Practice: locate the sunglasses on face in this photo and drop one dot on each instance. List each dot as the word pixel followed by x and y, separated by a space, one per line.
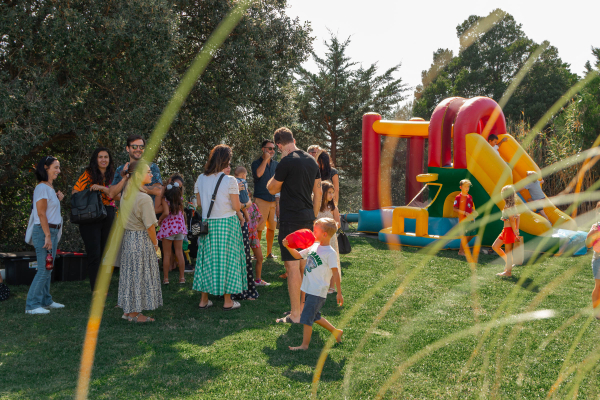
pixel 137 146
pixel 269 148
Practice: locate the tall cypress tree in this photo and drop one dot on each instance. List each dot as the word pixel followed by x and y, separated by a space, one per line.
pixel 332 101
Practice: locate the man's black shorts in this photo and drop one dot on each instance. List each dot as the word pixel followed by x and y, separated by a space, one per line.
pixel 285 228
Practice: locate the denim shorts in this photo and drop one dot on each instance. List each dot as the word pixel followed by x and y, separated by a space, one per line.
pixel 312 309
pixel 596 267
pixel 177 236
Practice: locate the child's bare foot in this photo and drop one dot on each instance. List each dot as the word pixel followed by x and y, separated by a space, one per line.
pixel 338 335
pixel 302 347
pixel 505 273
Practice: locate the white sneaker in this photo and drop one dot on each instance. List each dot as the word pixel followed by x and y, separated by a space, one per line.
pixel 38 310
pixel 55 305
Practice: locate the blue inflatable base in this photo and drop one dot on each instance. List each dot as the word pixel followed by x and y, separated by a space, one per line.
pixel 418 241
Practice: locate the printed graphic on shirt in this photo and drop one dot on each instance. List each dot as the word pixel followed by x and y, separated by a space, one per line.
pixel 312 261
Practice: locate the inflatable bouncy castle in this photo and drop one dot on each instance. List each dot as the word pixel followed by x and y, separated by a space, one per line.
pixel 458 149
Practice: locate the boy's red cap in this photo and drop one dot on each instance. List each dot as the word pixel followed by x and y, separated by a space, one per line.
pixel 301 239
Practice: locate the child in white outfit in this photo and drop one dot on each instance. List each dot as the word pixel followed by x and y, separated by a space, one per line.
pixel 321 266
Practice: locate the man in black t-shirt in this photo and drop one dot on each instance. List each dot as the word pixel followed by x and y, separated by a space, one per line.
pixel 298 179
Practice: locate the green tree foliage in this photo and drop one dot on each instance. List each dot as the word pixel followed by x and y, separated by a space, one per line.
pixel 487 66
pixel 74 75
pixel 588 102
pixel 78 74
pixel 245 93
pixel 332 102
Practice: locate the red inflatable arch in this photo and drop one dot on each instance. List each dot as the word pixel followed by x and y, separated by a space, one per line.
pixel 477 115
pixel 440 131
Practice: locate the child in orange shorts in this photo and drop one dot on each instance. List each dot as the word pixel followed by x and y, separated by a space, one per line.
pixel 510 233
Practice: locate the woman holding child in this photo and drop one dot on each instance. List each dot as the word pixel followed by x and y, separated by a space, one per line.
pixel 221 260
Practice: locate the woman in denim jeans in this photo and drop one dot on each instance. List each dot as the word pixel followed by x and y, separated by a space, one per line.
pixel 46 234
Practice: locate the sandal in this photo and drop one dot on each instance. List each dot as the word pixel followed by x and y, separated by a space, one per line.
pixel 182 280
pixel 208 304
pixel 235 306
pixel 286 320
pixel 136 319
pixel 125 317
pixel 165 281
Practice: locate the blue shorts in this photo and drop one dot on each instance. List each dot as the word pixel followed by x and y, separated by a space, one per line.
pixel 312 309
pixel 595 267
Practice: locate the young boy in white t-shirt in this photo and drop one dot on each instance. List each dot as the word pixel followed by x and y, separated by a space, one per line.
pixel 321 265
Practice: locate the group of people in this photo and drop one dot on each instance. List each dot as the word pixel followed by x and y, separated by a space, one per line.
pixel 288 195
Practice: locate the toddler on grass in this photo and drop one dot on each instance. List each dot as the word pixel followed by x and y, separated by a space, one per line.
pixel 321 265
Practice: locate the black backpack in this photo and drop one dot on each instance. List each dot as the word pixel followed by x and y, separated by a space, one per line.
pixel 87 207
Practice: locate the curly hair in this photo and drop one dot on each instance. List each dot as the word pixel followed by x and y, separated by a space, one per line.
pixel 93 169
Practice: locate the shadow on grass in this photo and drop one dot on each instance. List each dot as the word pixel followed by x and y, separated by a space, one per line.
pixel 282 356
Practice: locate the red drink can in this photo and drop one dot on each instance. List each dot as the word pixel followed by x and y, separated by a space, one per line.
pixel 49 261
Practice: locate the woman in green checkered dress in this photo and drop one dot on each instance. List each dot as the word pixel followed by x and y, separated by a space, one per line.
pixel 221 261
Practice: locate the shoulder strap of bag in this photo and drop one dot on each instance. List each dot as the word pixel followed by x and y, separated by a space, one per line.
pixel 214 196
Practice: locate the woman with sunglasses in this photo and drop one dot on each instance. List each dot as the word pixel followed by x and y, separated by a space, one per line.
pixel 43 232
pixel 97 176
pixel 172 226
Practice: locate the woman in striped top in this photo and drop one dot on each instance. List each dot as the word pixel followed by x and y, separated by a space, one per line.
pixel 97 177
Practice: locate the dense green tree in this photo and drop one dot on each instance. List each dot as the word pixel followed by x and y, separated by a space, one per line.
pixel 245 93
pixel 588 102
pixel 76 73
pixel 332 101
pixel 81 73
pixel 486 65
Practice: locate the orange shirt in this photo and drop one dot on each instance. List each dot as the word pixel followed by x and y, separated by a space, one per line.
pixel 85 181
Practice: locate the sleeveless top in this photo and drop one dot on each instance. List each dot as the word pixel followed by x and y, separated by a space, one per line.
pixel 172 225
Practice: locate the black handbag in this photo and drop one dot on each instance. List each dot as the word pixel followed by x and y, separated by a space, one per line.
pixel 204 223
pixel 87 207
pixel 343 242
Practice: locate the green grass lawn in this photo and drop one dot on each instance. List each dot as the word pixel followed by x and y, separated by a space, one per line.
pixel 448 334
